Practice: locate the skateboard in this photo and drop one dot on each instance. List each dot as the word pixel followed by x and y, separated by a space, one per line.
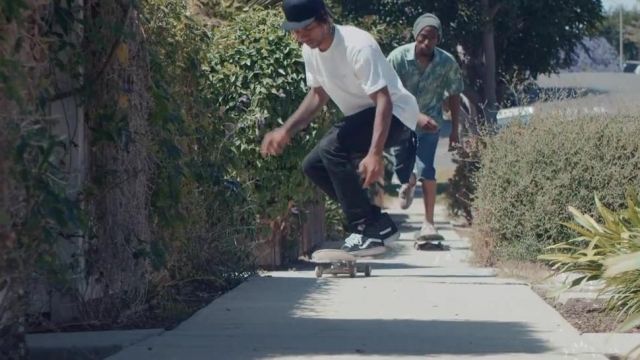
pixel 334 261
pixel 430 245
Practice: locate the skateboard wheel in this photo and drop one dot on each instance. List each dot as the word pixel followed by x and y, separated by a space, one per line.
pixel 416 246
pixel 353 271
pixel 318 271
pixel 367 270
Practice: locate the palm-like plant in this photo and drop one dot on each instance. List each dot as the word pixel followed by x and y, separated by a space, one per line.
pixel 609 251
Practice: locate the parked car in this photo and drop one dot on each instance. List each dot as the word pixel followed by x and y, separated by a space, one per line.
pixel 518 113
pixel 631 67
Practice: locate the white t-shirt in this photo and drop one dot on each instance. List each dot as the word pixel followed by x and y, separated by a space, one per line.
pixel 354 67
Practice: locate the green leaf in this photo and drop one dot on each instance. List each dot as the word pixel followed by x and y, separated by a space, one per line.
pixel 608 216
pixel 584 220
pixel 12 9
pixel 631 322
pixel 621 263
pixel 579 229
pixel 579 281
pixel 632 209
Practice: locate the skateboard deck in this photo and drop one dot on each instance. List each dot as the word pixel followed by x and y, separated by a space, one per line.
pixel 335 261
pixel 430 245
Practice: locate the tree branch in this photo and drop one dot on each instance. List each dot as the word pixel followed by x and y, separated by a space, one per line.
pixel 101 71
pixel 494 10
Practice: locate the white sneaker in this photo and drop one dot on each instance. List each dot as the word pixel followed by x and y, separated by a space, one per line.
pixel 429 232
pixel 406 192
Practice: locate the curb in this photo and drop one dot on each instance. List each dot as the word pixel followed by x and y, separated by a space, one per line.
pixel 89 345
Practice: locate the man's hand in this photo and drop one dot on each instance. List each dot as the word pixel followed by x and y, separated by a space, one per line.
pixel 274 142
pixel 454 141
pixel 426 123
pixel 371 168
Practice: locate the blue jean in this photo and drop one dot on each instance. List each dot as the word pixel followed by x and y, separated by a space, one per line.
pixel 416 156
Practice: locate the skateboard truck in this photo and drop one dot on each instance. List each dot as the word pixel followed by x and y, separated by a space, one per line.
pixel 433 245
pixel 335 262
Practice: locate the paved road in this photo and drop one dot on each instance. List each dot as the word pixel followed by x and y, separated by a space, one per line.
pixel 606 92
pixel 615 83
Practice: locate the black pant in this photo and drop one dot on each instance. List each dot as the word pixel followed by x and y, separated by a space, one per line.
pixel 330 164
pixel 405 159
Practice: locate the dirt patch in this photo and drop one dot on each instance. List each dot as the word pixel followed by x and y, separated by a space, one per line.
pixel 531 272
pixel 587 316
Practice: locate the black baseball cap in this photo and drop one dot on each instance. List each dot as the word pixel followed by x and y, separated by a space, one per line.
pixel 300 13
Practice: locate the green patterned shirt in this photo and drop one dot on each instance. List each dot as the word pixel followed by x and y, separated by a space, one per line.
pixel 441 78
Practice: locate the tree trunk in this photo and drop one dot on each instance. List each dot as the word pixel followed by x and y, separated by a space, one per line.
pixel 471 64
pixel 12 310
pixel 489 50
pixel 12 272
pixel 314 229
pixel 120 168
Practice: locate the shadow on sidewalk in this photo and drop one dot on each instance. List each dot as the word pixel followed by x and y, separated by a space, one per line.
pixel 292 317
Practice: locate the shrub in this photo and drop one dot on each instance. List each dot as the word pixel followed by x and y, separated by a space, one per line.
pixel 461 185
pixel 255 78
pixel 609 250
pixel 530 172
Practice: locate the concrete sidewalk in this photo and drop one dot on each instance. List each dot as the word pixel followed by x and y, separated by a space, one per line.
pixel 415 305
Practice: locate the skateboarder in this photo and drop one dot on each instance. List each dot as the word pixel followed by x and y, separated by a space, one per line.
pixel 432 75
pixel 346 65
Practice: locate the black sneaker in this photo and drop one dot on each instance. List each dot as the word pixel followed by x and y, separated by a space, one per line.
pixel 357 245
pixel 369 239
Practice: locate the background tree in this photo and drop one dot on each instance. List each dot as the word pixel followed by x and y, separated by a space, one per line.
pixel 610 29
pixel 512 39
pixel 21 65
pixel 493 39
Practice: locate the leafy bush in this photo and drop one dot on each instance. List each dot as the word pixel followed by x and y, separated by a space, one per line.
pixel 255 78
pixel 609 250
pixel 204 218
pixel 530 172
pixel 219 93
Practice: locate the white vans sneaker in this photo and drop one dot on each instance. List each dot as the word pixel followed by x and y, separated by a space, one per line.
pixel 429 232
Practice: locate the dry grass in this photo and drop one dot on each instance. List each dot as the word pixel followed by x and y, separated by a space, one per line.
pixel 482 247
pixel 531 272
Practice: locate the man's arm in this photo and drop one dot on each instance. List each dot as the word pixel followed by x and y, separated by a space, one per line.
pixel 382 122
pixel 316 98
pixel 372 166
pixel 454 107
pixel 275 141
